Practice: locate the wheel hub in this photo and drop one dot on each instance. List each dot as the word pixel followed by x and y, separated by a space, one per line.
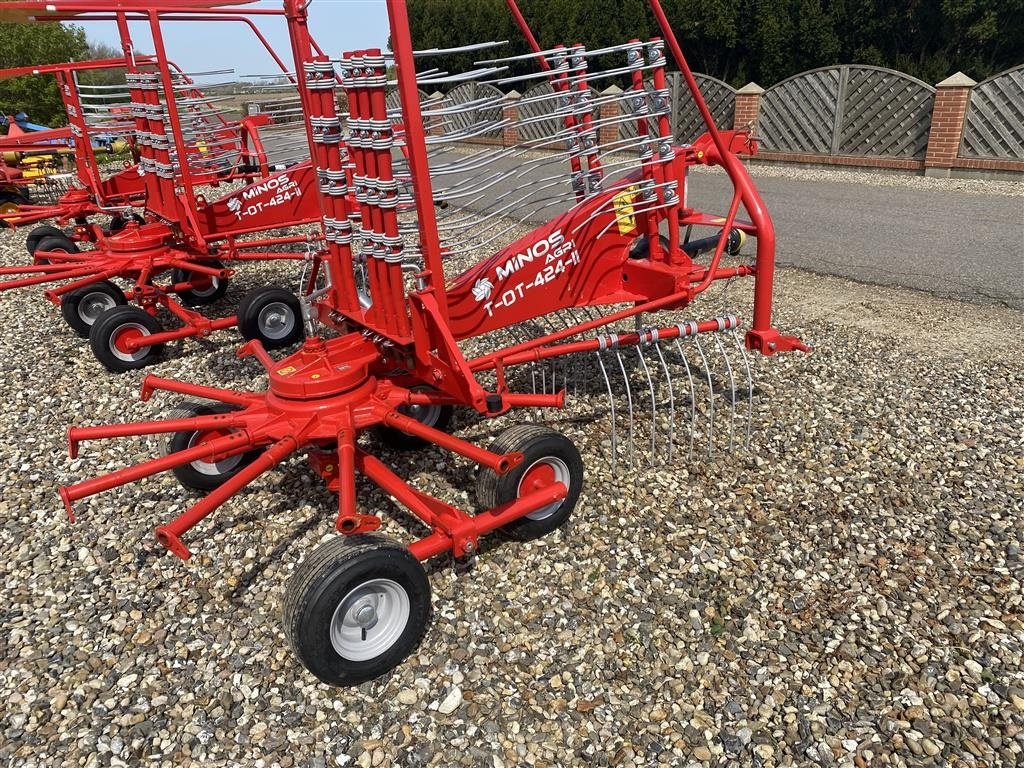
pixel 276 320
pixel 369 619
pixel 119 342
pixel 94 305
pixel 541 474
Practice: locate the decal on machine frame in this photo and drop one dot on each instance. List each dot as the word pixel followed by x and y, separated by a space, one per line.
pixel 267 194
pixel 559 255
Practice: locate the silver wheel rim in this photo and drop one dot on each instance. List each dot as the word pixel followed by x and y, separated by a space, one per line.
pixel 276 320
pixel 203 293
pixel 561 470
pixel 213 468
pixel 94 304
pixel 369 620
pixel 128 357
pixel 427 415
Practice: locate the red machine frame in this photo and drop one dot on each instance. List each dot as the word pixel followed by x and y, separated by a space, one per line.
pixel 401 352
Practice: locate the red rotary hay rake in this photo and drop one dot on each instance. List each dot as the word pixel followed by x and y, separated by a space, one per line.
pixel 188 241
pixel 388 334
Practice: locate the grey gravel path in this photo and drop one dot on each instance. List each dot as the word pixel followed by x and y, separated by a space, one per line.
pixel 848 593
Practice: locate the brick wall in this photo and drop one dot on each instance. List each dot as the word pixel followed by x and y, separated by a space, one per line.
pixel 952 96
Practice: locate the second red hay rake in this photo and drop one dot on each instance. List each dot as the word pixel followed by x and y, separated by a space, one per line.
pixel 393 345
pixel 178 257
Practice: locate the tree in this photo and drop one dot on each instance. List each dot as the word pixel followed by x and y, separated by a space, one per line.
pixel 102 77
pixel 743 40
pixel 42 43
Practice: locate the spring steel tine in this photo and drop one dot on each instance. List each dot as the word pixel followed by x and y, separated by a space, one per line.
pixel 611 408
pixel 465 106
pixel 654 407
pixel 460 49
pixel 750 384
pixel 711 393
pixel 732 387
pixel 522 57
pixel 693 398
pixel 629 402
pixel 524 214
pixel 462 77
pixel 471 132
pixel 671 399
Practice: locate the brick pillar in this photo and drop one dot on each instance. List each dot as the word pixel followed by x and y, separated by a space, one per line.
pixel 608 114
pixel 748 107
pixel 950 108
pixel 510 113
pixel 435 123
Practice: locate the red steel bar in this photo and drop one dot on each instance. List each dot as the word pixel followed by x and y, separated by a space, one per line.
pixel 221 446
pixel 152 383
pixel 170 535
pixel 79 435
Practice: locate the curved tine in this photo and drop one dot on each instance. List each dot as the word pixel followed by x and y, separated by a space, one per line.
pixel 549 327
pixel 629 403
pixel 750 384
pixel 571 365
pixel 611 408
pixel 654 406
pixel 732 388
pixel 471 245
pixel 711 394
pixel 473 219
pixel 470 220
pixel 671 400
pixel 693 397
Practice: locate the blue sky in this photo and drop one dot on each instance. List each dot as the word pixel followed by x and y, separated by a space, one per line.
pixel 338 25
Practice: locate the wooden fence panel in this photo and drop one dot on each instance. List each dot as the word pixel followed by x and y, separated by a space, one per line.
pixel 994 127
pixel 883 114
pixel 799 114
pixel 687 122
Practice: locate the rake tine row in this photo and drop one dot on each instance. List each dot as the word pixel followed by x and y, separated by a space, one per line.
pixel 668 360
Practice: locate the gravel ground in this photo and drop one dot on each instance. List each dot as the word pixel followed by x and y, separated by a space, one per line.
pixel 847 592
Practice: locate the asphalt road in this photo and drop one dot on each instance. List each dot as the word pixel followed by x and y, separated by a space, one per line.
pixel 955 244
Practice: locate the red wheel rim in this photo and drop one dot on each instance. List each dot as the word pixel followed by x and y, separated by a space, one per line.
pixel 122 336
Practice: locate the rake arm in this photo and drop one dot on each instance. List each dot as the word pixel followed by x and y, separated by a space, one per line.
pixel 78 435
pixel 152 383
pixel 170 535
pixel 220 448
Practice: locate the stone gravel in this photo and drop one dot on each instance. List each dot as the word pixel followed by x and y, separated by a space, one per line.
pixel 845 592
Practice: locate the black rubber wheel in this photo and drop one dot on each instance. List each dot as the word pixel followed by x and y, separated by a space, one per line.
pixel 272 315
pixel 548 456
pixel 116 325
pixel 37 234
pixel 641 247
pixel 119 222
pixel 84 306
pixel 436 416
pixel 204 475
pixel 54 244
pixel 355 608
pixel 206 288
pixel 11 202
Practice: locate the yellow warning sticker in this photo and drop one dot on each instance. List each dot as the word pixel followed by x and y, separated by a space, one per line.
pixel 286 371
pixel 625 216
